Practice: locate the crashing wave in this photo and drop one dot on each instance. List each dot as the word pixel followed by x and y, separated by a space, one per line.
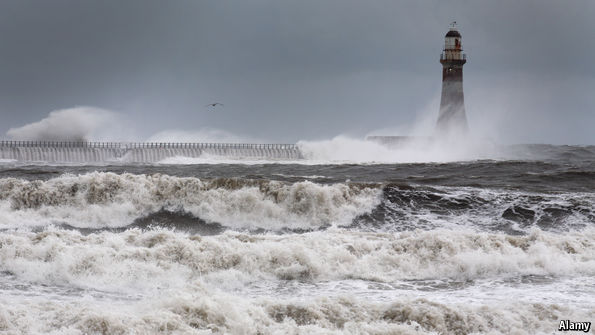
pixel 98 200
pixel 164 258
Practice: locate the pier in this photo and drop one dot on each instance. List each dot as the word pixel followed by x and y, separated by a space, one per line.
pixel 139 152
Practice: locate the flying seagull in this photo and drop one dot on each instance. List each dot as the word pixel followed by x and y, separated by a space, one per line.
pixel 214 104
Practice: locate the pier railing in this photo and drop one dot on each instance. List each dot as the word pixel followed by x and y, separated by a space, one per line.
pixel 145 145
pixel 78 151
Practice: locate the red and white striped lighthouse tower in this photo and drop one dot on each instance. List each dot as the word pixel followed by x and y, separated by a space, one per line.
pixel 452 119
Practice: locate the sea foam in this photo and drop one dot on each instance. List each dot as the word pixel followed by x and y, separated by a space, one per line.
pixel 165 287
pixel 139 260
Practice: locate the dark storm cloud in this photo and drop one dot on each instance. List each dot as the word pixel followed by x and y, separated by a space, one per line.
pixel 301 69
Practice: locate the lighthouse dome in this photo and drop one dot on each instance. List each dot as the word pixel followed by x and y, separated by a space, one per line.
pixel 453 33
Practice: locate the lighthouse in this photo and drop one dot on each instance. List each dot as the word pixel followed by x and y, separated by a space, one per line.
pixel 452 119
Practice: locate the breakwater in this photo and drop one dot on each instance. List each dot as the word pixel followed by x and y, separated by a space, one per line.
pixel 139 152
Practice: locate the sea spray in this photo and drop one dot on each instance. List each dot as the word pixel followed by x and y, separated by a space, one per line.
pixel 73 124
pixel 342 149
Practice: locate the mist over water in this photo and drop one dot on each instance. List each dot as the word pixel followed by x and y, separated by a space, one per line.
pixel 420 149
pixel 94 124
pixel 203 135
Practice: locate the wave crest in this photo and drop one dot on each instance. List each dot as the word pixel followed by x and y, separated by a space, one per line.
pixel 98 199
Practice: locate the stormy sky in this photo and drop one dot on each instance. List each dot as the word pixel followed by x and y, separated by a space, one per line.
pixel 308 69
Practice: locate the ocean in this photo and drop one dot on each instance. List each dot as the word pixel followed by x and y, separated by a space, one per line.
pixel 502 245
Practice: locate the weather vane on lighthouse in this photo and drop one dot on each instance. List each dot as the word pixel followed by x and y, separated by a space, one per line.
pixel 452 119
